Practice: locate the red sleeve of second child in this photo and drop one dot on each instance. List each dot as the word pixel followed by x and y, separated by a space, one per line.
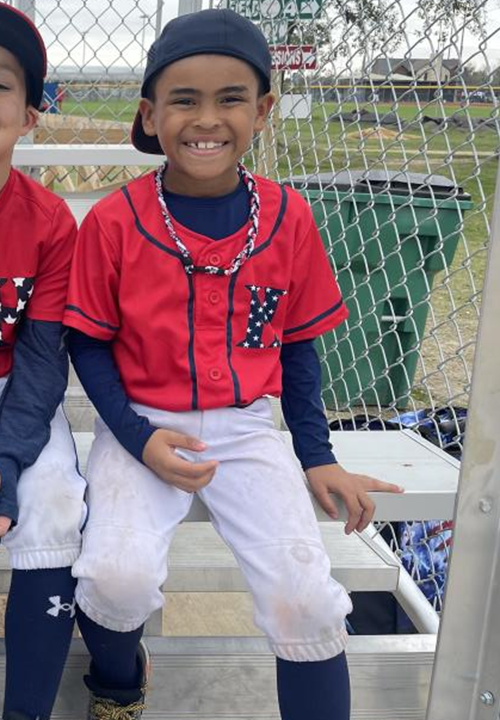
pixel 51 285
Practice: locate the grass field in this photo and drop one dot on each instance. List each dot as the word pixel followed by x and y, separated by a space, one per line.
pixel 469 157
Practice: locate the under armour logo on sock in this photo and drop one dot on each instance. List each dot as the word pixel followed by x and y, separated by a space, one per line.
pixel 58 606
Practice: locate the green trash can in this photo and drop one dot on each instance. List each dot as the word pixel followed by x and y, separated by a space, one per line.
pixel 387 234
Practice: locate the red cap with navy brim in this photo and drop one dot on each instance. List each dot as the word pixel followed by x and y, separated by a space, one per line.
pixel 19 36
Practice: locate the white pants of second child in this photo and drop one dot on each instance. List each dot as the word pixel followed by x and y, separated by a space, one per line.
pixel 258 503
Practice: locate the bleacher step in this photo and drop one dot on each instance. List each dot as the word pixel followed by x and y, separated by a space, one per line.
pixel 199 561
pixel 428 474
pixel 234 678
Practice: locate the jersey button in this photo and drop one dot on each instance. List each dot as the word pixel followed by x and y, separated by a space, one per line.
pixel 214 259
pixel 214 297
pixel 215 374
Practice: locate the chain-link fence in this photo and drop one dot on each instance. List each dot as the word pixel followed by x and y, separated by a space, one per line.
pixel 387 119
pixel 394 138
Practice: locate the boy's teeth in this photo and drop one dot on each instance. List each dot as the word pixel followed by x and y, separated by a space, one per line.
pixel 206 145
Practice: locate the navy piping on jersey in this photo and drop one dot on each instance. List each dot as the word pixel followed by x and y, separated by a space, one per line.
pixel 100 323
pixel 229 339
pixel 315 320
pixel 279 220
pixel 144 232
pixel 192 362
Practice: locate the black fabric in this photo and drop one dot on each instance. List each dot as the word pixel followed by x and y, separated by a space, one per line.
pixel 20 37
pixel 37 641
pixel 214 217
pixel 114 671
pixel 302 404
pixel 314 690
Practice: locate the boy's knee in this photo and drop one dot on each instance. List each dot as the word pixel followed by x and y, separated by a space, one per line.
pixel 121 585
pixel 306 627
pixel 118 591
pixel 303 603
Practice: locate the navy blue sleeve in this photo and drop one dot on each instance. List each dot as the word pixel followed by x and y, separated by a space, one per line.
pixel 95 366
pixel 30 398
pixel 302 404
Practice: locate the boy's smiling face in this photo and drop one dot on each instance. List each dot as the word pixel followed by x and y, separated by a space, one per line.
pixel 205 112
pixel 16 118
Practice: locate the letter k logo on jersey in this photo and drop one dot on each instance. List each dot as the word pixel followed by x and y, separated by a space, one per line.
pixel 14 296
pixel 261 314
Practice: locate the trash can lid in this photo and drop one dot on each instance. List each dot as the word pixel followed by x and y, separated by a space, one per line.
pixel 381 181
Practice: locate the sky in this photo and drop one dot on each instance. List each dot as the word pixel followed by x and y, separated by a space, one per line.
pixel 93 32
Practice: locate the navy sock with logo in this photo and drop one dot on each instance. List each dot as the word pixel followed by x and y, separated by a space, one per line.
pixel 314 690
pixel 39 622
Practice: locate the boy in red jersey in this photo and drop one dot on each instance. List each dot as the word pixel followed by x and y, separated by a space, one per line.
pixel 196 292
pixel 41 493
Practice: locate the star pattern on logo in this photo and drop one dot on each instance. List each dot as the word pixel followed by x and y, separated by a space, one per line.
pixel 10 314
pixel 261 313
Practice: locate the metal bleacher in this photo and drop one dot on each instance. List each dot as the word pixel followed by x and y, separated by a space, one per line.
pixel 213 678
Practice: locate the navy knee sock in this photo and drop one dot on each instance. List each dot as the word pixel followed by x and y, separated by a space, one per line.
pixel 314 690
pixel 114 654
pixel 39 622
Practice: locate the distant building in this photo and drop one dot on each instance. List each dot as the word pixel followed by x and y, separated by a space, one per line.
pixel 421 69
pixel 423 74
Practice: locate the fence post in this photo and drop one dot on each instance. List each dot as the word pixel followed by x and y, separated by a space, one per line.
pixel 158 22
pixel 466 677
pixel 28 7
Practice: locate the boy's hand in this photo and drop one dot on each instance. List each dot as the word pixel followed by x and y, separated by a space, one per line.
pixel 159 455
pixel 5 524
pixel 352 488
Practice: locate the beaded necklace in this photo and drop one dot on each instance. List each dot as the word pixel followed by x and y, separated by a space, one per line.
pixel 242 256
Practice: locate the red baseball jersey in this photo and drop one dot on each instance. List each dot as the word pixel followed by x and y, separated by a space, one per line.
pixel 37 238
pixel 200 341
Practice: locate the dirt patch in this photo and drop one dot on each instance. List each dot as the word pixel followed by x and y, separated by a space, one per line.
pixel 380 134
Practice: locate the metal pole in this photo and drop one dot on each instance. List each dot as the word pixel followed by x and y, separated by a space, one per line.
pixel 267 162
pixel 158 24
pixel 84 41
pixel 144 54
pixel 466 678
pixel 28 7
pixel 189 6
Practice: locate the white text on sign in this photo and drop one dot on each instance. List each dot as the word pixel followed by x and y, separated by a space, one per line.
pixel 276 9
pixel 293 57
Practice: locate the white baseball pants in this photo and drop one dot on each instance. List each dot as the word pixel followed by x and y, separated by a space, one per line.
pixel 259 505
pixel 52 508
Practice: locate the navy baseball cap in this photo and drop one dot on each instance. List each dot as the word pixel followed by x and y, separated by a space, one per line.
pixel 207 32
pixel 19 36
